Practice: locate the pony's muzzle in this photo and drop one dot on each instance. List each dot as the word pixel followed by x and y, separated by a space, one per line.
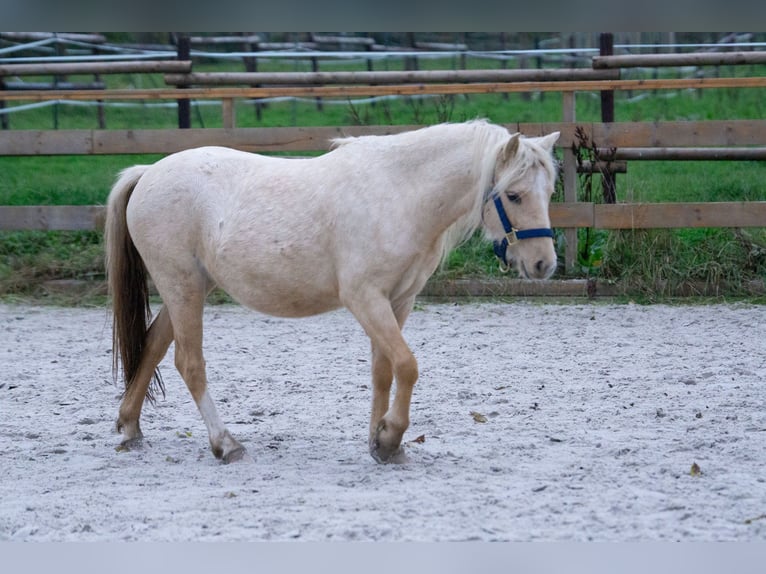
pixel 544 268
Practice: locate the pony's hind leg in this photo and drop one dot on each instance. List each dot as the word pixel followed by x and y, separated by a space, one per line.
pixel 158 339
pixel 186 316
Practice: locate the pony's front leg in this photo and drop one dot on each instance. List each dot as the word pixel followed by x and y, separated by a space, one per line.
pixel 391 357
pixel 387 424
pixel 382 378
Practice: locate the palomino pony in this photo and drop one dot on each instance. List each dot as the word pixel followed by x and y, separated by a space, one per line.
pixel 362 226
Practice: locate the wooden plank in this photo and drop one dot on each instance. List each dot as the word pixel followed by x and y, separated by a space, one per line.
pixel 563 215
pixel 71 68
pixel 654 134
pixel 52 217
pixel 46 142
pixel 386 77
pixel 685 154
pixel 228 111
pixel 569 177
pixel 509 287
pixel 676 215
pixel 680 134
pixel 246 139
pixel 165 141
pixel 696 59
pixel 73 217
pixel 620 135
pixel 512 287
pixel 68 218
pixel 398 89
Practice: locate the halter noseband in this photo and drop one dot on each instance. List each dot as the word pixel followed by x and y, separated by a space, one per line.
pixel 512 235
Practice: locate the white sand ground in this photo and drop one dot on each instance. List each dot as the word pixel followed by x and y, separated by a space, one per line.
pixel 595 414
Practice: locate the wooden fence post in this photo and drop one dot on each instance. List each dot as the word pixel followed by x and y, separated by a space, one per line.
pixel 570 184
pixel 229 113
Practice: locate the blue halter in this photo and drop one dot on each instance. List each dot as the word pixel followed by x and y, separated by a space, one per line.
pixel 513 235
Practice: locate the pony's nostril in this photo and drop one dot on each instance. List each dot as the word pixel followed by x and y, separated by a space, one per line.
pixel 543 268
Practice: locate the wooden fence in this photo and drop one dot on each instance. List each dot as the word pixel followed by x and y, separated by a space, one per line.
pixel 615 141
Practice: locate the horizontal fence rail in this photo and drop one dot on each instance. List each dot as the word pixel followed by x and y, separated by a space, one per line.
pixel 683 154
pixel 648 135
pixel 65 69
pixel 563 215
pixel 52 217
pixel 388 77
pixel 696 59
pixel 659 215
pixel 342 91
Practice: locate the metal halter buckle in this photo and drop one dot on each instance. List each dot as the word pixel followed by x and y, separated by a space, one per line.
pixel 511 236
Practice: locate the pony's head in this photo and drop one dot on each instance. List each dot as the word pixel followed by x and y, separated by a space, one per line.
pixel 515 212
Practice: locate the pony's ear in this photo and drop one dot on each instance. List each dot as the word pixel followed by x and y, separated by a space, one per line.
pixel 546 142
pixel 509 149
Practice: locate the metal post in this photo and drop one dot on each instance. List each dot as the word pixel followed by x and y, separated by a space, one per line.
pixel 101 118
pixel 4 121
pixel 184 106
pixel 608 178
pixel 251 65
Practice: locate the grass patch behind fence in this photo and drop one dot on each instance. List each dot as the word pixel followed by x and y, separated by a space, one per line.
pixel 660 263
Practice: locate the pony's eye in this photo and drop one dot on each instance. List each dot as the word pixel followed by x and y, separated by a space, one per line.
pixel 514 198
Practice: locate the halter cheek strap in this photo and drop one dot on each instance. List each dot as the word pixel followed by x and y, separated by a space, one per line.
pixel 513 235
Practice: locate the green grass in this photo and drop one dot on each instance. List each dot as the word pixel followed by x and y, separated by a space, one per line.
pixel 652 263
pixel 29 258
pixel 661 263
pixel 62 180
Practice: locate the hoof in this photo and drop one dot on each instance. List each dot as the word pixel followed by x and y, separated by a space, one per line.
pixel 237 455
pixel 229 449
pixel 383 453
pixel 133 438
pixel 135 443
pixel 396 457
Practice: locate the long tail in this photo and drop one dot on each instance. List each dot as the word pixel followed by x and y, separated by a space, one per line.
pixel 127 277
